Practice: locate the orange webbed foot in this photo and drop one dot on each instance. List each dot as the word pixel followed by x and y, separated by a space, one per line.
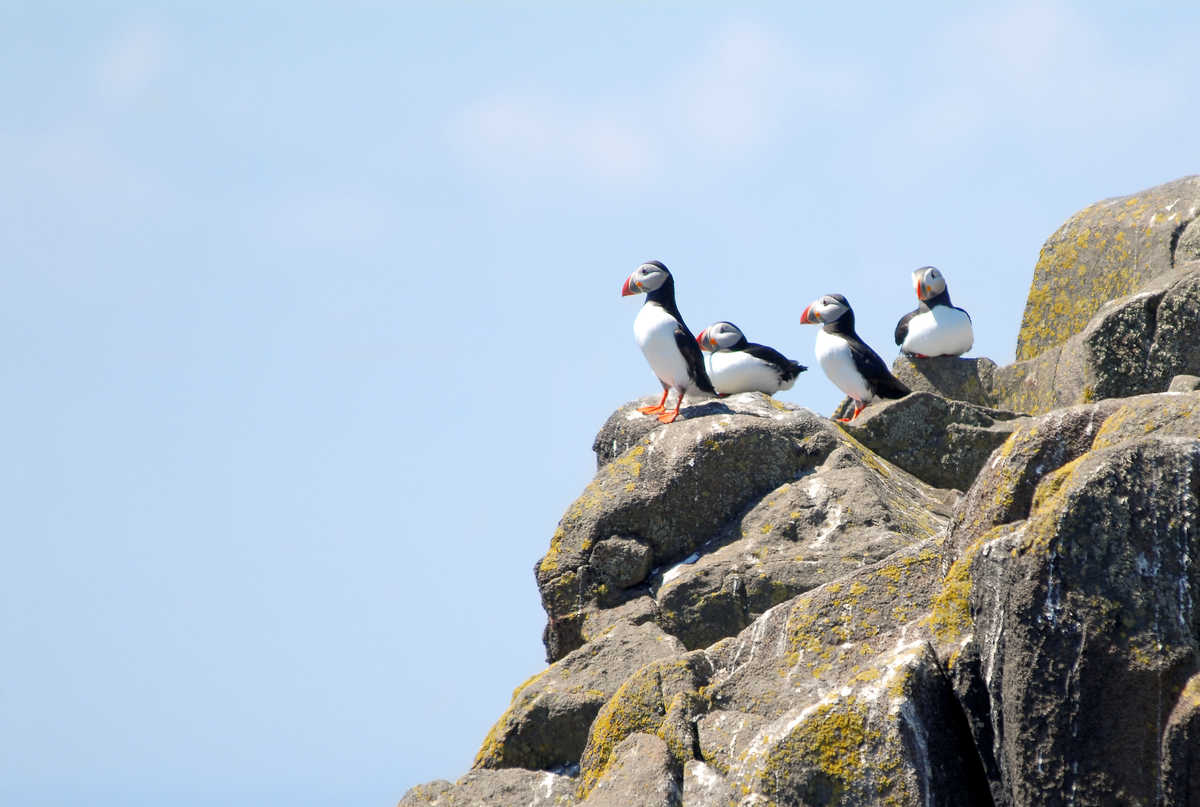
pixel 650 410
pixel 668 417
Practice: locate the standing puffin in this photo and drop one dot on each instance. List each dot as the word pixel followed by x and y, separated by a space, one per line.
pixel 935 328
pixel 735 365
pixel 848 361
pixel 666 342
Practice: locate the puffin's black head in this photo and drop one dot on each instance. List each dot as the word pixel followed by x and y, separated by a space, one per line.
pixel 825 309
pixel 721 336
pixel 928 282
pixel 649 277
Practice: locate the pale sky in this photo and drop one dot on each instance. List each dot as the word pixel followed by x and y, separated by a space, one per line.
pixel 312 312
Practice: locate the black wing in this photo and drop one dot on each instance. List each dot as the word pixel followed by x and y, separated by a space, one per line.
pixel 695 359
pixel 787 368
pixel 902 326
pixel 879 378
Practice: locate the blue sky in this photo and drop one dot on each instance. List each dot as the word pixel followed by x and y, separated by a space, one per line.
pixel 311 314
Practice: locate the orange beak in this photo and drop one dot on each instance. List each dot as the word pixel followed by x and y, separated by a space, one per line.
pixel 628 288
pixel 701 337
pixel 808 317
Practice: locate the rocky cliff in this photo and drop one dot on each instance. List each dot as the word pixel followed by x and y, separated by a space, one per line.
pixel 986 593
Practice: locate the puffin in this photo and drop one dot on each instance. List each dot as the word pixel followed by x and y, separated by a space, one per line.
pixel 935 327
pixel 848 361
pixel 735 365
pixel 665 340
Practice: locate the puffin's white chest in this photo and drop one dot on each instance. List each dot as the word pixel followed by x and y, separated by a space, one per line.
pixel 734 371
pixel 654 330
pixel 835 358
pixel 941 331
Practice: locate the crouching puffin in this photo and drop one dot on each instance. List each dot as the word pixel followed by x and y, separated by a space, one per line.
pixel 848 361
pixel 935 328
pixel 666 342
pixel 735 365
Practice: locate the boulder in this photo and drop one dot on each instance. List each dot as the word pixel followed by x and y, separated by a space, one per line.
pixel 547 724
pixel 704 787
pixel 671 492
pixel 662 699
pixel 952 377
pixel 831 698
pixel 1108 250
pixel 942 442
pixel 501 788
pixel 1003 491
pixel 853 510
pixel 642 773
pixel 1184 383
pixel 1133 345
pixel 1085 618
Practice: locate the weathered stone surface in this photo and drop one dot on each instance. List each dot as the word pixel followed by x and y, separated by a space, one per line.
pixel 1107 250
pixel 1181 749
pixel 1133 345
pixel 941 442
pixel 1184 383
pixel 662 699
pixel 642 772
pixel 853 510
pixel 621 562
pixel 502 788
pixel 952 377
pixel 1003 490
pixel 704 787
pixel 830 698
pixel 675 489
pixel 547 724
pixel 1085 615
pixel 852 702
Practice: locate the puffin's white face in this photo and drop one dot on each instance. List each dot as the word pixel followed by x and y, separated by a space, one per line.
pixel 719 336
pixel 824 309
pixel 928 282
pixel 646 278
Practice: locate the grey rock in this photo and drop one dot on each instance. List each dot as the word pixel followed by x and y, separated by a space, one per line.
pixel 502 788
pixel 1108 250
pixel 1085 615
pixel 1003 490
pixel 673 491
pixel 547 724
pixel 853 510
pixel 952 377
pixel 941 442
pixel 1181 749
pixel 832 697
pixel 662 699
pixel 705 787
pixel 642 773
pixel 1184 383
pixel 1188 246
pixel 627 427
pixel 621 562
pixel 1132 345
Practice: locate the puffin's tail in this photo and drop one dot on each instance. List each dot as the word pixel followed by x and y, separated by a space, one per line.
pixel 891 387
pixel 795 368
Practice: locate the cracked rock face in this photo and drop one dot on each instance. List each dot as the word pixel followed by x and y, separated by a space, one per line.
pixel 1086 620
